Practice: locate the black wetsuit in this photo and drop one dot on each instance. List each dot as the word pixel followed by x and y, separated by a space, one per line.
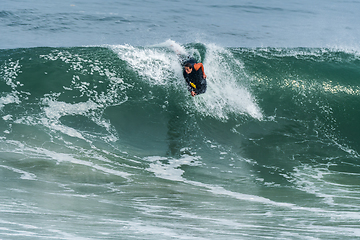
pixel 194 80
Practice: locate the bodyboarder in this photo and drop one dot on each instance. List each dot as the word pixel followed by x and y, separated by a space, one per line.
pixel 195 76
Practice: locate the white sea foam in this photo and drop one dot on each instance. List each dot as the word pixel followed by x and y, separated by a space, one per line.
pixel 322 182
pixel 55 109
pixel 226 94
pixel 24 175
pixel 93 107
pixel 152 64
pixel 59 157
pixel 9 72
pixel 171 169
pixel 8 99
pixel 174 46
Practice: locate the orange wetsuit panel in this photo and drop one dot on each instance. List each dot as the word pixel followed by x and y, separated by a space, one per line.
pixel 199 65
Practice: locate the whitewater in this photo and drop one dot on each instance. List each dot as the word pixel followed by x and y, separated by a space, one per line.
pixel 100 139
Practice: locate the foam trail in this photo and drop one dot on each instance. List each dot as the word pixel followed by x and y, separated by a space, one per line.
pixel 226 94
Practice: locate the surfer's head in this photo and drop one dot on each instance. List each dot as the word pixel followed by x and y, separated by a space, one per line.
pixel 188 68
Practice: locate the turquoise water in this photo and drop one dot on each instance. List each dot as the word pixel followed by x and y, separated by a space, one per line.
pixel 105 142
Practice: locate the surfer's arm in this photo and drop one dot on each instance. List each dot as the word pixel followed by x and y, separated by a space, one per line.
pixel 197 66
pixel 190 87
pixel 188 82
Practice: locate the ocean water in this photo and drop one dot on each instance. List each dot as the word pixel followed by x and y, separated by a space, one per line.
pixel 99 138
